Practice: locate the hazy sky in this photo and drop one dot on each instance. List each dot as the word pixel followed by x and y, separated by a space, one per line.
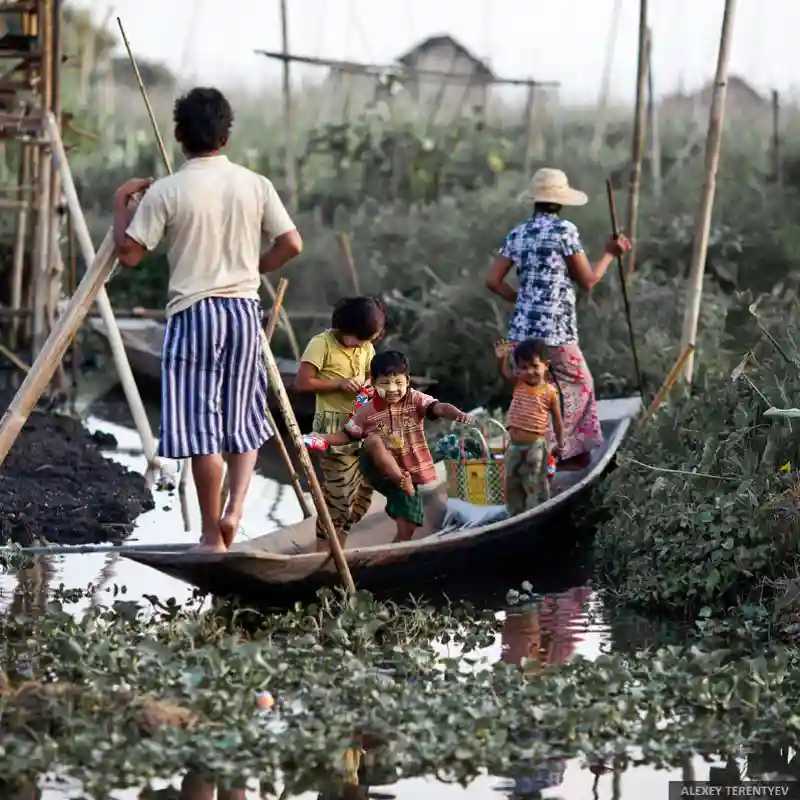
pixel 212 41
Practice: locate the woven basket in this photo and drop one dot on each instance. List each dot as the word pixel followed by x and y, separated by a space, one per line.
pixel 480 481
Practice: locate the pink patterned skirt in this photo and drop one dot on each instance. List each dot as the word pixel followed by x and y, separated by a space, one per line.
pixel 582 432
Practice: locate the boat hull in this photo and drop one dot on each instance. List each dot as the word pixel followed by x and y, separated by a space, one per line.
pixel 283 567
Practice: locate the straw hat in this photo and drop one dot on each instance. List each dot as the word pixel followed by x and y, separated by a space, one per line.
pixel 552 186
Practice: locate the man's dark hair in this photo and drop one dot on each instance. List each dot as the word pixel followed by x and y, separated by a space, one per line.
pixel 529 349
pixel 203 120
pixel 361 317
pixel 390 362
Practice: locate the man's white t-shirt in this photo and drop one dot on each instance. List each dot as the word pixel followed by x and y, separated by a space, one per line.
pixel 212 214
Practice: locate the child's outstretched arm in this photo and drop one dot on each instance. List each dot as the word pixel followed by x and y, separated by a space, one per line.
pixel 447 411
pixel 501 351
pixel 558 422
pixel 352 433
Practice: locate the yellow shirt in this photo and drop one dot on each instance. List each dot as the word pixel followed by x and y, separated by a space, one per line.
pixel 212 214
pixel 335 363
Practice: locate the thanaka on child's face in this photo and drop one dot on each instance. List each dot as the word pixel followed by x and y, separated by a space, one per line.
pixel 532 371
pixel 391 388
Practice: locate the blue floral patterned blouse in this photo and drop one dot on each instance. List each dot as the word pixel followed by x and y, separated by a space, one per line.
pixel 545 307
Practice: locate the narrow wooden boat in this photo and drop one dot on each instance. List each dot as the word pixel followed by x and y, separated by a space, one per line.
pixel 458 539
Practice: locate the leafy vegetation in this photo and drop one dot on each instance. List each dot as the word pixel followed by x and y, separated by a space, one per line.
pixel 122 696
pixel 704 507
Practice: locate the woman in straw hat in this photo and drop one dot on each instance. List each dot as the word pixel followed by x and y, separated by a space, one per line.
pixel 548 255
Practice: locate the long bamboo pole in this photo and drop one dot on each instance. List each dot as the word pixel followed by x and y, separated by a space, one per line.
pixel 653 124
pixel 143 92
pixel 350 262
pixel 716 119
pixel 27 153
pixel 48 358
pixel 637 147
pixel 316 490
pixel 605 83
pixel 669 382
pixel 288 121
pixel 113 334
pixel 776 138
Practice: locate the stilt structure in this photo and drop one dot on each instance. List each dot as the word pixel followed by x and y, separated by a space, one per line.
pixel 30 122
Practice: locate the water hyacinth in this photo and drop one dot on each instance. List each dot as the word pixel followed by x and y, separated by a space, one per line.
pixel 179 688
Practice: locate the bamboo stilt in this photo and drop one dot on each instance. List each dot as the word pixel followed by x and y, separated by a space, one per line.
pixel 713 145
pixel 637 149
pixel 652 113
pixel 72 266
pixel 288 122
pixel 113 334
pixel 39 288
pixel 182 498
pixel 20 237
pixel 669 382
pixel 347 252
pixel 605 83
pixel 776 138
pixel 527 157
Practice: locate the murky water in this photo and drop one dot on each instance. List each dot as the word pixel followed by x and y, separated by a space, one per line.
pixel 553 630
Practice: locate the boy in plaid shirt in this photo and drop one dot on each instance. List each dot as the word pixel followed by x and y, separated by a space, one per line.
pixel 395 457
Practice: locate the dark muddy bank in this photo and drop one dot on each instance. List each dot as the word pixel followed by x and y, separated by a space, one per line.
pixel 56 486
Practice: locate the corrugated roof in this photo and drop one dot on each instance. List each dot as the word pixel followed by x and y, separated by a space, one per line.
pixel 444 39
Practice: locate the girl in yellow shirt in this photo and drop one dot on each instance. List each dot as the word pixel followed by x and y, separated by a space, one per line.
pixel 335 365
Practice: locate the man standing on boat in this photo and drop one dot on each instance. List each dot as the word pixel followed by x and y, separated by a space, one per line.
pixel 212 214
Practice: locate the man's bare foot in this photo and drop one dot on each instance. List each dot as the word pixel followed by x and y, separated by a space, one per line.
pixel 205 547
pixel 229 526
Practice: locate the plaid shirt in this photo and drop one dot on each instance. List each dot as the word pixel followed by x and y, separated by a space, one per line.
pixel 402 428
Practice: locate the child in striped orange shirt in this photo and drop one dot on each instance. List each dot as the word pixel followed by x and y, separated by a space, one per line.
pixel 534 404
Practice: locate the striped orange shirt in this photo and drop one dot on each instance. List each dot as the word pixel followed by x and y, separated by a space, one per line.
pixel 530 407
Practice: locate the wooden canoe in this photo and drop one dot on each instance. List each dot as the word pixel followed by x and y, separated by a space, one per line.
pixel 283 566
